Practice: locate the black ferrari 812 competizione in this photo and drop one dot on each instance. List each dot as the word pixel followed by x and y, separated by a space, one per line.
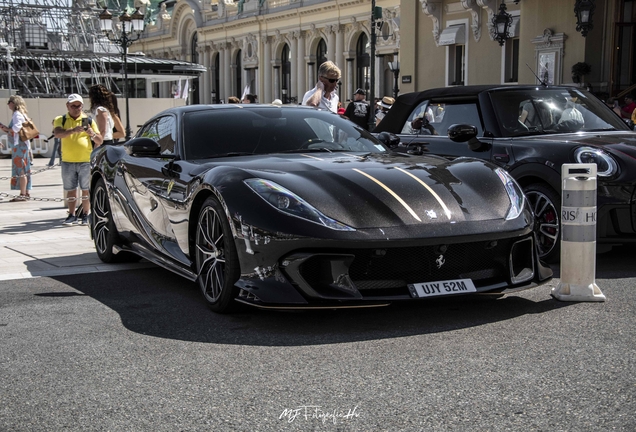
pixel 293 207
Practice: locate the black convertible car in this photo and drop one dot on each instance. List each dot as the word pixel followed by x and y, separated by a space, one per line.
pixel 530 131
pixel 293 207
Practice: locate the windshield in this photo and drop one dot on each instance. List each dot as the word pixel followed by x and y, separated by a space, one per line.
pixel 267 129
pixel 550 110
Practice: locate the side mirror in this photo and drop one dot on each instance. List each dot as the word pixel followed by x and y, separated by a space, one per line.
pixel 143 147
pixel 389 139
pixel 465 133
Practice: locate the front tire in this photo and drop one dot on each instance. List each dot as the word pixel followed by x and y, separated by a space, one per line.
pixel 103 228
pixel 545 204
pixel 216 258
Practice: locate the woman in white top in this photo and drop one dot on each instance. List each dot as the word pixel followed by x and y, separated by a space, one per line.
pixel 103 111
pixel 21 155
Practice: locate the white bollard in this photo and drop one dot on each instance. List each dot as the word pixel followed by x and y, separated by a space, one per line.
pixel 578 235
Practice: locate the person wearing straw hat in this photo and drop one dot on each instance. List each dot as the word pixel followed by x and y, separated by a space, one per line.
pixel 384 106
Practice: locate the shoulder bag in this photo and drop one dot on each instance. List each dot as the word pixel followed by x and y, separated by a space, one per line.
pixel 28 130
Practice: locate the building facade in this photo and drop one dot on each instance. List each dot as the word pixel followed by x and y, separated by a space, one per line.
pixel 274 47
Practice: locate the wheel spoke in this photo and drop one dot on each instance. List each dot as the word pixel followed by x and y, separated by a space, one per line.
pixel 210 255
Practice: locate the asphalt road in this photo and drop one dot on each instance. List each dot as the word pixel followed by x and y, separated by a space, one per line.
pixel 138 350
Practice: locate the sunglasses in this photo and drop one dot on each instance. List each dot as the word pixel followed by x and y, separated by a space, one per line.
pixel 331 80
pixel 76 106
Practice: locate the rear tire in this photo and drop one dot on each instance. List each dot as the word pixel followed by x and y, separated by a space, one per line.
pixel 217 262
pixel 545 203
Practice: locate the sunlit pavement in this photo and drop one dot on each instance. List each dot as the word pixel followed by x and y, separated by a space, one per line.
pixel 33 240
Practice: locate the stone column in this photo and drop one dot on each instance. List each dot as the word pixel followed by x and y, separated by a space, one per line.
pixel 350 78
pixel 266 97
pixel 331 42
pixel 311 77
pixel 226 73
pixel 292 91
pixel 204 86
pixel 302 68
pixel 340 46
pixel 276 92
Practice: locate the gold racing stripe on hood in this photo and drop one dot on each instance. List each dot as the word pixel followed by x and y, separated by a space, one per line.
pixel 312 157
pixel 386 188
pixel 437 197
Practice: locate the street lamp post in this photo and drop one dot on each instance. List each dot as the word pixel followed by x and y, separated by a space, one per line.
pixel 394 66
pixel 130 29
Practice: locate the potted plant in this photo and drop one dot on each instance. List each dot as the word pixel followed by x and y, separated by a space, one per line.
pixel 579 70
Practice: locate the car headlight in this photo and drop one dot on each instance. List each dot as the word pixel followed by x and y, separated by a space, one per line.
pixel 515 194
pixel 605 165
pixel 289 203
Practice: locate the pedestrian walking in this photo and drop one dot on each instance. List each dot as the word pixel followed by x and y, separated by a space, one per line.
pixel 21 154
pixel 56 149
pixel 359 110
pixel 324 94
pixel 76 130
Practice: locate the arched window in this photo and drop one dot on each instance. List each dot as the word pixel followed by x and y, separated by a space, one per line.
pixel 285 82
pixel 321 55
pixel 194 55
pixel 362 63
pixel 239 69
pixel 217 85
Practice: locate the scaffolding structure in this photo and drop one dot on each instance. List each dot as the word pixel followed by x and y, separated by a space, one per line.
pixel 50 48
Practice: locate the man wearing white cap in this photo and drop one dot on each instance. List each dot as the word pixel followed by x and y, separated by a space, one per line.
pixel 76 130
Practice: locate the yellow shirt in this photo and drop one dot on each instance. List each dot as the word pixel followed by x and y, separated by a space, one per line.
pixel 75 147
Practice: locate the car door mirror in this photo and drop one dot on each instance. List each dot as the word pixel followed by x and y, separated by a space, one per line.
pixel 143 147
pixel 465 133
pixel 462 132
pixel 389 139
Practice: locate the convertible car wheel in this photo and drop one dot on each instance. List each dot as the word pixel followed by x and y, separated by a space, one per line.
pixel 105 233
pixel 545 203
pixel 216 258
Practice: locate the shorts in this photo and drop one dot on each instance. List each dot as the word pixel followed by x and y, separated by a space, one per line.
pixel 74 173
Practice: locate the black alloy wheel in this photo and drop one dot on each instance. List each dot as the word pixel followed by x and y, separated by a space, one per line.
pixel 216 258
pixel 545 204
pixel 103 228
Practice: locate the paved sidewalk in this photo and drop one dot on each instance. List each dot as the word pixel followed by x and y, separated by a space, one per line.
pixel 33 241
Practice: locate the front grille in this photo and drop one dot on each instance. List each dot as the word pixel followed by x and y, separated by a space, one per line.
pixel 377 272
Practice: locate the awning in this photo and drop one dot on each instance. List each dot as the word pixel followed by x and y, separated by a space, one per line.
pixel 139 66
pixel 453 35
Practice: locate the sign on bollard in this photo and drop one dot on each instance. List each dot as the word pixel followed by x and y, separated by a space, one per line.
pixel 578 235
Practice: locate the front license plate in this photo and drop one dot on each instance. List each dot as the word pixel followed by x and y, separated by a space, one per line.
pixel 431 289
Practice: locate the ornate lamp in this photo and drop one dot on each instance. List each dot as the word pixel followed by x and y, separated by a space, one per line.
pixel 584 9
pixel 394 66
pixel 131 28
pixel 501 24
